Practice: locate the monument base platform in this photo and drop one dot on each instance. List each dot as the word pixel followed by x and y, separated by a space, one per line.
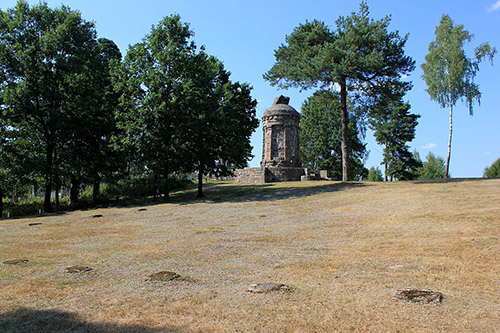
pixel 268 174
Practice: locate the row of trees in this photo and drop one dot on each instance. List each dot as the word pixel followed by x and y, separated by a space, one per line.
pixel 358 69
pixel 432 168
pixel 73 113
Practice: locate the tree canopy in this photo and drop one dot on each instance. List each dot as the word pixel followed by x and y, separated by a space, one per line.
pixel 432 168
pixel 47 58
pixel 321 136
pixel 493 171
pixel 180 110
pixel 449 73
pixel 152 85
pixel 374 175
pixel 359 54
pixel 394 126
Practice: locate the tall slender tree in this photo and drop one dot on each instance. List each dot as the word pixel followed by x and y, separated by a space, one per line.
pixel 449 73
pixel 358 54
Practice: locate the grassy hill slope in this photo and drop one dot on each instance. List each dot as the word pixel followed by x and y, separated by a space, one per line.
pixel 342 248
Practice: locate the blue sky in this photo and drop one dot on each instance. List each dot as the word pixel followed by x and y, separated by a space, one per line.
pixel 244 35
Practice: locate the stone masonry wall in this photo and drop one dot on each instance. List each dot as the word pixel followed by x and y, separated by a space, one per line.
pixel 283 174
pixel 268 174
pixel 250 175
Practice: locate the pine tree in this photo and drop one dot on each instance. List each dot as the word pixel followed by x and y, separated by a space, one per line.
pixel 321 136
pixel 394 126
pixel 358 53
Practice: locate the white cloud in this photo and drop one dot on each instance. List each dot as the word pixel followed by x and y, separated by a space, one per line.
pixel 429 146
pixel 494 6
pixel 487 153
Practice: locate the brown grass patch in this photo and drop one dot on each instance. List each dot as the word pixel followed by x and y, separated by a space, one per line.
pixel 345 248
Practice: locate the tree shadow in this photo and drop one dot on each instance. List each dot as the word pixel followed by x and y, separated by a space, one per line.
pixel 221 192
pixel 18 217
pixel 34 320
pixel 446 181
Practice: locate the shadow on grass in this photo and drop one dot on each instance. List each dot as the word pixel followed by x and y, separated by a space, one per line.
pixel 234 192
pixel 446 181
pixel 33 320
pixel 224 191
pixel 61 212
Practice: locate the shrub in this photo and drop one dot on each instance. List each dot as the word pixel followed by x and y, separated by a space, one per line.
pixel 29 207
pixel 433 168
pixel 134 187
pixel 493 171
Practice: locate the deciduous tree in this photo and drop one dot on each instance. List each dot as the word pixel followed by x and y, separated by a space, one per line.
pixel 374 175
pixel 432 168
pixel 449 73
pixel 223 119
pixel 45 54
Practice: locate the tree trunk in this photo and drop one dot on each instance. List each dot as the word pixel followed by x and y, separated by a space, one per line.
pixel 96 188
pixel 200 181
pixel 57 180
pixel 1 202
pixel 155 186
pixel 345 128
pixel 58 203
pixel 447 168
pixel 48 178
pixel 393 158
pixel 74 191
pixel 166 188
pixel 385 164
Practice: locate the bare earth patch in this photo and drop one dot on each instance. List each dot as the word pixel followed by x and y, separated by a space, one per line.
pixel 344 248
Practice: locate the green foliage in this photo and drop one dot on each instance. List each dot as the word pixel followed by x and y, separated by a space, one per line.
pixel 140 186
pixel 374 175
pixel 153 81
pixel 30 207
pixel 223 119
pixel 393 127
pixel 180 111
pixel 321 136
pixel 88 154
pixel 358 53
pixel 47 56
pixel 433 167
pixel 449 73
pixel 493 171
pixel 73 114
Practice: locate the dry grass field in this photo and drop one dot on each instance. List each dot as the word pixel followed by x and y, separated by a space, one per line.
pixel 343 249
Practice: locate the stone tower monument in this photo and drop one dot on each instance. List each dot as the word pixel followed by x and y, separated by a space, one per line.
pixel 280 149
pixel 281 135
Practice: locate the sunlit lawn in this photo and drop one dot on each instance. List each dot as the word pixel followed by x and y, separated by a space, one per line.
pixel 342 248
